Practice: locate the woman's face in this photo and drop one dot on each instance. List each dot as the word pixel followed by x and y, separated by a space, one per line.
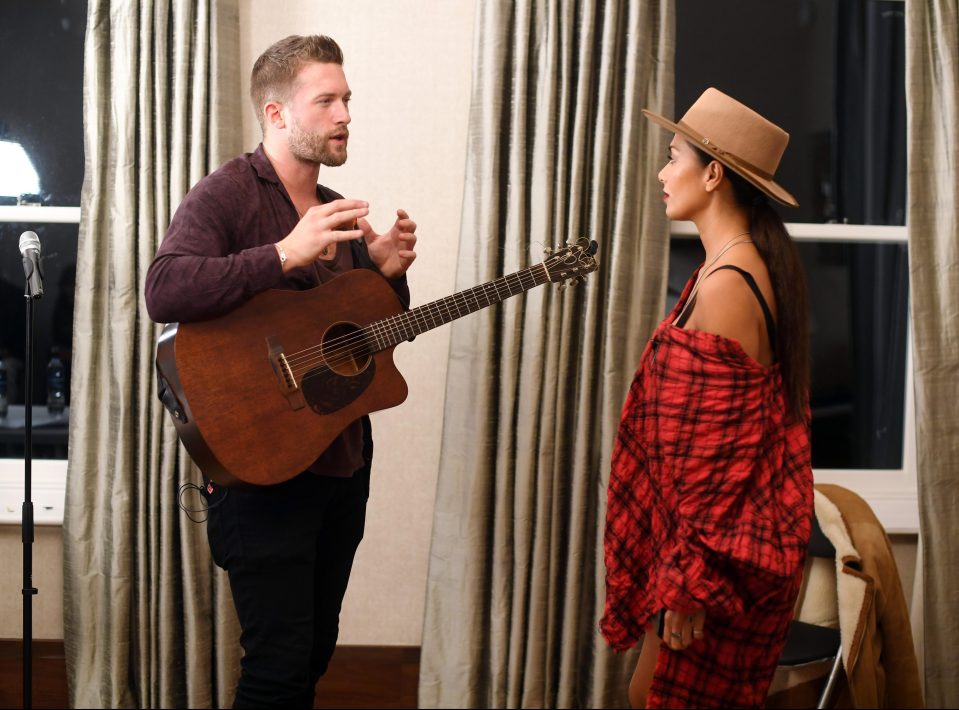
pixel 684 180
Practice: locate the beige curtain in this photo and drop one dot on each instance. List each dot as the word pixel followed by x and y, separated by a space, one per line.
pixel 557 150
pixel 932 95
pixel 147 621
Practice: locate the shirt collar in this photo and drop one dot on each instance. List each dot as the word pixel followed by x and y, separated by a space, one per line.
pixel 262 165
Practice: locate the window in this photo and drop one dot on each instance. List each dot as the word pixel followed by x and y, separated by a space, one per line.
pixel 41 139
pixel 41 174
pixel 832 74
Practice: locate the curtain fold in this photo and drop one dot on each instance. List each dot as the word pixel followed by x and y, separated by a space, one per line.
pixel 148 619
pixel 557 150
pixel 932 95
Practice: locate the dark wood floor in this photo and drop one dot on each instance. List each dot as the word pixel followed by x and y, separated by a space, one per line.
pixel 370 677
pixel 358 677
pixel 49 674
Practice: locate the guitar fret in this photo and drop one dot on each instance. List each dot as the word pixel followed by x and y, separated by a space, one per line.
pixel 380 336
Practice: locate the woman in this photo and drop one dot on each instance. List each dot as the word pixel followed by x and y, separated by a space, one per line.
pixel 710 493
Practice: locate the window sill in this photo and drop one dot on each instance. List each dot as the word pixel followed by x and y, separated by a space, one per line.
pixel 39 213
pixel 48 491
pixel 892 495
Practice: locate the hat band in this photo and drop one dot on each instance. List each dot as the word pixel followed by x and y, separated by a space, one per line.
pixel 724 154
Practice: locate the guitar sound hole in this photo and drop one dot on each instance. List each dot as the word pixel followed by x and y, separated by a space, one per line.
pixel 345 350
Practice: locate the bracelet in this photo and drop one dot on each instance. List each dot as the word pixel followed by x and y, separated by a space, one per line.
pixel 279 250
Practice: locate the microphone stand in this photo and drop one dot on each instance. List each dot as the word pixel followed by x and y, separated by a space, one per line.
pixel 28 589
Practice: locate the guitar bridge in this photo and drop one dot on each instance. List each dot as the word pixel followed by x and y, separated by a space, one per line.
pixel 284 374
pixel 287 373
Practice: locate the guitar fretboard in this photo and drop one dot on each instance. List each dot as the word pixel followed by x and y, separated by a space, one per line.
pixel 394 330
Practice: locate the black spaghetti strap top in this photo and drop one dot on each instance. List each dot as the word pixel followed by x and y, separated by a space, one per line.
pixel 751 282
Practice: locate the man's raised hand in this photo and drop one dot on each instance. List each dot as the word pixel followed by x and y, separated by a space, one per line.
pixel 392 251
pixel 321 227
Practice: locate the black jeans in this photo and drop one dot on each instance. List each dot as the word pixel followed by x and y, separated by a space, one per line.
pixel 288 550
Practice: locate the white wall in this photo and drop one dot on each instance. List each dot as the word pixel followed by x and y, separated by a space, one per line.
pixel 408 63
pixel 47 578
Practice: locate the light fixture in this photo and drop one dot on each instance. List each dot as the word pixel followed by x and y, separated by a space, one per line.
pixel 17 174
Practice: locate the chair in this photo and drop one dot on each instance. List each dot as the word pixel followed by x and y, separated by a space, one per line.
pixel 808 644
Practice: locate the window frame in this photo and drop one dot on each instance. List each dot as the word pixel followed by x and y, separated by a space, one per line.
pixel 48 484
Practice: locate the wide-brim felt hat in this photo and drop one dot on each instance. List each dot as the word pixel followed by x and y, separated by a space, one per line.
pixel 737 137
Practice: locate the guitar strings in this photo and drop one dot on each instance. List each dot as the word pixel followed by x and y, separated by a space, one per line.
pixel 341 348
pixel 311 361
pixel 306 363
pixel 431 312
pixel 435 308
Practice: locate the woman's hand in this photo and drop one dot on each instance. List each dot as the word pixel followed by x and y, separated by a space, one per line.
pixel 681 628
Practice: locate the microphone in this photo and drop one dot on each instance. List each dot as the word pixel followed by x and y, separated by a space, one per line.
pixel 30 249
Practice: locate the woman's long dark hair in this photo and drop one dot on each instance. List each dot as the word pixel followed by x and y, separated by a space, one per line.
pixel 781 256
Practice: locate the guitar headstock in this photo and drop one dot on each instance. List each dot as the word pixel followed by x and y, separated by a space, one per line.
pixel 572 262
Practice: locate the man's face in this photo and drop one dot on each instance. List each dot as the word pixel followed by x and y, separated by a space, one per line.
pixel 318 114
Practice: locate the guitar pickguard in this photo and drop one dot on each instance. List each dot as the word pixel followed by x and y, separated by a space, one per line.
pixel 327 391
pixel 346 369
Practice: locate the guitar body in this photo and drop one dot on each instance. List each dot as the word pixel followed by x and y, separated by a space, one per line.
pixel 240 418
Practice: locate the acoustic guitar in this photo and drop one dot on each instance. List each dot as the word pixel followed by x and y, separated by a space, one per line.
pixel 258 394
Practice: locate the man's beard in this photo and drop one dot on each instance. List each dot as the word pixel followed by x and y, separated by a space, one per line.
pixel 314 147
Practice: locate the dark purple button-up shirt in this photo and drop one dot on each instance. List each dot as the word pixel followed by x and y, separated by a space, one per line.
pixel 218 253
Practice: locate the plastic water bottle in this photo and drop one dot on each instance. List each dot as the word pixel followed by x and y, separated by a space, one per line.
pixel 3 387
pixel 56 383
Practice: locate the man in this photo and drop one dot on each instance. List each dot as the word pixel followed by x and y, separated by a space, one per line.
pixel 261 221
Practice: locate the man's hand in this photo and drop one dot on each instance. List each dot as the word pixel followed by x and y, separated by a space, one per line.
pixel 681 628
pixel 392 252
pixel 319 229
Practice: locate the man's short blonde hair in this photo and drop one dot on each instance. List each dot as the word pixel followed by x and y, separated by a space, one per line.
pixel 274 72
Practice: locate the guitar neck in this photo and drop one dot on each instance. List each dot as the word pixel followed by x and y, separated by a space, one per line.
pixel 404 326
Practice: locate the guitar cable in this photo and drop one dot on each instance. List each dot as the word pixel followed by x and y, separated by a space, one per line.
pixel 205 511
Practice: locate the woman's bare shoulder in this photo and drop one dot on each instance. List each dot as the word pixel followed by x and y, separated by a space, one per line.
pixel 726 306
